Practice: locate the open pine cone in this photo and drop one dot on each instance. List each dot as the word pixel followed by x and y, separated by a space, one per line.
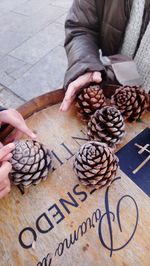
pixel 95 164
pixel 131 101
pixel 89 100
pixel 31 162
pixel 107 125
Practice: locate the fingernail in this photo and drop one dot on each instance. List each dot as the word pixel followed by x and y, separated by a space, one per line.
pixel 11 145
pixel 33 135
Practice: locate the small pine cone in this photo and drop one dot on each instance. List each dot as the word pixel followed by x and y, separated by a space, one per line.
pixel 131 101
pixel 31 162
pixel 95 164
pixel 107 125
pixel 89 100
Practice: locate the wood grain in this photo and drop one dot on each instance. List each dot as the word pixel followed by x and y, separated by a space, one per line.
pixel 63 133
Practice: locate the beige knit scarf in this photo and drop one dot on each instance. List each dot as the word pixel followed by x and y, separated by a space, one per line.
pixel 142 57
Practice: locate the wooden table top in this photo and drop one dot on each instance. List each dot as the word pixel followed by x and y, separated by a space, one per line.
pixel 59 221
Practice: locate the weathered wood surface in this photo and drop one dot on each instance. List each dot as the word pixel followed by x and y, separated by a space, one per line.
pixel 43 207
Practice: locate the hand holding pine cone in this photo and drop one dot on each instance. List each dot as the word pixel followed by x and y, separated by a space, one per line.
pixel 95 164
pixel 31 162
pixel 131 101
pixel 89 100
pixel 107 125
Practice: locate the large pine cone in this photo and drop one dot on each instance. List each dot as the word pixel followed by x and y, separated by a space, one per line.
pixel 107 125
pixel 31 162
pixel 95 164
pixel 89 100
pixel 131 101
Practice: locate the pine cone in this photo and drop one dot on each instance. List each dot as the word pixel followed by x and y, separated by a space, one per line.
pixel 31 162
pixel 95 164
pixel 89 100
pixel 131 101
pixel 107 125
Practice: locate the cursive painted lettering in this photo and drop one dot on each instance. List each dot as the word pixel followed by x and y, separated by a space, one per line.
pixel 110 216
pixel 107 218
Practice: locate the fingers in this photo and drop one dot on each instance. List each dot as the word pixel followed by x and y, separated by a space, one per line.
pixel 7 157
pixel 16 134
pixel 75 86
pixel 4 170
pixel 1 145
pixel 6 150
pixel 24 129
pixel 15 119
pixel 66 104
pixel 68 99
pixel 4 179
pixel 97 77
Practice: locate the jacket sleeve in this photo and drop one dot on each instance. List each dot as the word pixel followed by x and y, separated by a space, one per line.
pixel 2 108
pixel 81 43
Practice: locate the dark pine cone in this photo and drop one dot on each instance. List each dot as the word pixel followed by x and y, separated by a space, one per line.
pixel 95 164
pixel 107 125
pixel 131 101
pixel 31 162
pixel 89 100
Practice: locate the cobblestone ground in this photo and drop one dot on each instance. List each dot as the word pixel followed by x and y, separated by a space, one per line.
pixel 32 57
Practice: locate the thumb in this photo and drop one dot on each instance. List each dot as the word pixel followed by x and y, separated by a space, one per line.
pixel 17 134
pixel 96 77
pixel 5 150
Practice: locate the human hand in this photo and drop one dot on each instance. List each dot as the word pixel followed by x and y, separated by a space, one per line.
pixel 75 86
pixel 5 168
pixel 14 118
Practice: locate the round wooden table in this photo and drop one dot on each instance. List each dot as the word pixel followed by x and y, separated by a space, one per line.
pixel 62 223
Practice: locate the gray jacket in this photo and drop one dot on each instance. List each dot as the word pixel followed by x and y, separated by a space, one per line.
pixel 92 25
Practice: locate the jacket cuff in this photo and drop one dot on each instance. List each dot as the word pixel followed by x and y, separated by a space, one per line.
pixel 2 108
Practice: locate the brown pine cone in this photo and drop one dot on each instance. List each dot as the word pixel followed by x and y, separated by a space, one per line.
pixel 31 162
pixel 95 164
pixel 107 125
pixel 131 101
pixel 89 100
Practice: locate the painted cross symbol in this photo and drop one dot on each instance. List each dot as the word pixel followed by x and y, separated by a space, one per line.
pixel 142 149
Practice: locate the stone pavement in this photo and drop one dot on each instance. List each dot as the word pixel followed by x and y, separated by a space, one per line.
pixel 32 57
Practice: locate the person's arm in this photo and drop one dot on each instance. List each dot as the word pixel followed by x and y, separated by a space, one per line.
pixel 81 44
